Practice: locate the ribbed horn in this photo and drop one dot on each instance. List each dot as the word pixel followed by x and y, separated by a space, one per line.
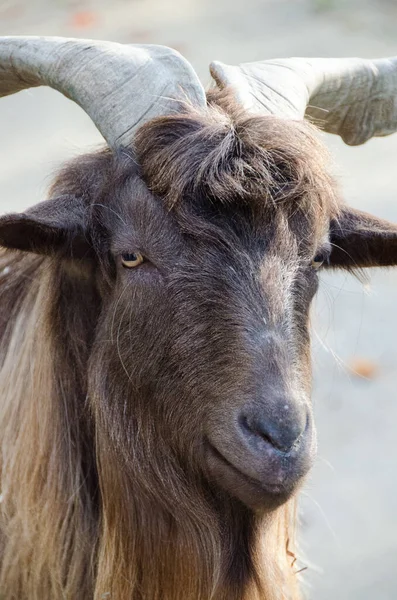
pixel 352 97
pixel 119 86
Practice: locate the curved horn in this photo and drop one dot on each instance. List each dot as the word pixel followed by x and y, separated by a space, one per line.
pixel 119 86
pixel 354 98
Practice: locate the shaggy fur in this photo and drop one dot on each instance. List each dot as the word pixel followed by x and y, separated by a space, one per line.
pixel 111 380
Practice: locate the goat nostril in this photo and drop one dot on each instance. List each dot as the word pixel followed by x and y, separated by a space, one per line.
pixel 283 436
pixel 251 428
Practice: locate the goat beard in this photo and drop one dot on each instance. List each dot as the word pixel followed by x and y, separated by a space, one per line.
pixel 168 538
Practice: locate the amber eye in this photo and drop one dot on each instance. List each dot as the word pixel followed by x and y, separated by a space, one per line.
pixel 129 260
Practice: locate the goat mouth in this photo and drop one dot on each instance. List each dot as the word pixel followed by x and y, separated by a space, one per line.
pixel 255 493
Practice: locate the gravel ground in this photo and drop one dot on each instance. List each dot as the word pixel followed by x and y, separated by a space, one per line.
pixel 349 506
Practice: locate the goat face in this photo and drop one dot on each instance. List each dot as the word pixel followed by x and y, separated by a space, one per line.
pixel 199 371
pixel 205 329
pixel 203 346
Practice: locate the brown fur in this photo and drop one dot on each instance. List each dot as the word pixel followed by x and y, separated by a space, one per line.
pixel 107 386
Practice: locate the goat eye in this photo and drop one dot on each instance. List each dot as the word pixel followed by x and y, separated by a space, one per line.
pixel 129 260
pixel 318 260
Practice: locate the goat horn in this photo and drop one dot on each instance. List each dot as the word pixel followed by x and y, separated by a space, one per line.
pixel 354 98
pixel 119 86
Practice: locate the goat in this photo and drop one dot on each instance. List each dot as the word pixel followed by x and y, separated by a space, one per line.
pixel 155 415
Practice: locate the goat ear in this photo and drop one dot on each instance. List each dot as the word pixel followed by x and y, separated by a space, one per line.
pixel 361 240
pixel 56 226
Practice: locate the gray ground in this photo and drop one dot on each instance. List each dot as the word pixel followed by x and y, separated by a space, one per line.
pixel 349 522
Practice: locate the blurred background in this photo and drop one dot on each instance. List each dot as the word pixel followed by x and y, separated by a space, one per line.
pixel 349 505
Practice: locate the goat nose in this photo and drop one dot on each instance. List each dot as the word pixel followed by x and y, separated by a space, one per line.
pixel 283 434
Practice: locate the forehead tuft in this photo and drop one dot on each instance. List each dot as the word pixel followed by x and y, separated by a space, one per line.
pixel 226 156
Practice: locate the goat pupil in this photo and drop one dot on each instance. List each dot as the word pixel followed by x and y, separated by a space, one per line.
pixel 130 257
